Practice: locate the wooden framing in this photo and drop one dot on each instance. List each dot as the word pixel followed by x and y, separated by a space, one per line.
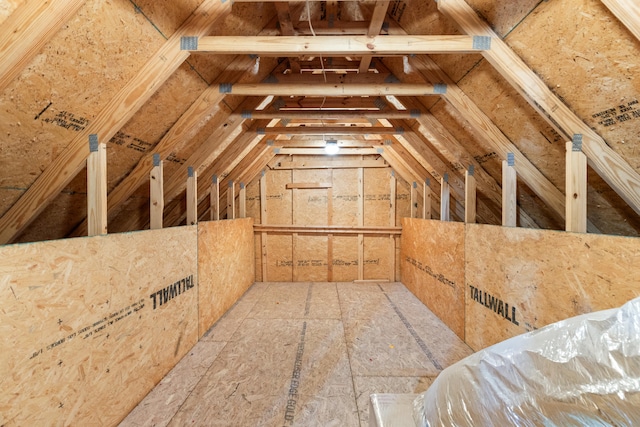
pixel 576 186
pixel 393 190
pixel 332 130
pixel 110 119
pixel 444 199
pixel 426 200
pixel 375 25
pixel 329 115
pixel 242 201
pixel 470 196
pixel 607 163
pixel 231 200
pixel 321 152
pixel 97 188
pixel 414 199
pixel 325 229
pixel 336 45
pixel 214 195
pixel 313 88
pixel 192 197
pixel 509 193
pixel 628 12
pixel 156 195
pixel 27 30
pixel 263 221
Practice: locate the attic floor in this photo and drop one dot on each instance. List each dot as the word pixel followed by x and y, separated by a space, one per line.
pixel 304 354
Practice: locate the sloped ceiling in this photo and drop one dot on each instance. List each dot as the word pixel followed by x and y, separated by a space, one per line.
pixel 115 68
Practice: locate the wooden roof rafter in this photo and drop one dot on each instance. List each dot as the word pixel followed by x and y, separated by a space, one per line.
pixel 628 12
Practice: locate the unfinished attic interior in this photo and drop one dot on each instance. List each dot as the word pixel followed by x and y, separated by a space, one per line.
pixel 160 159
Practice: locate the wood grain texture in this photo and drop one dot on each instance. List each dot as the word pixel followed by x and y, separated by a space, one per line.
pixel 83 317
pixel 97 191
pixel 546 276
pixel 628 12
pixel 432 267
pixel 621 176
pixel 27 30
pixel 111 118
pixel 576 189
pixel 226 267
pixel 509 195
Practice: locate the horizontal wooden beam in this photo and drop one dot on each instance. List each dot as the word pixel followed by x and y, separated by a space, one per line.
pixel 628 12
pixel 315 88
pixel 308 185
pixel 325 229
pixel 330 115
pixel 333 130
pixel 320 151
pixel 337 45
pixel 329 163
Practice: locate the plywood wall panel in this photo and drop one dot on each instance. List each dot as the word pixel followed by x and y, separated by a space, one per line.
pixel 432 258
pixel 345 197
pixel 83 318
pixel 310 206
pixel 225 267
pixel 279 199
pixel 279 258
pixel 376 197
pixel 345 258
pixel 403 200
pixel 545 276
pixel 377 260
pixel 311 258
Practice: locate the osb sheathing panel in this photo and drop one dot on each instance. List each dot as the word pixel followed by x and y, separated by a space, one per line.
pixel 503 16
pixel 279 258
pixel 225 267
pixel 87 318
pixel 433 261
pixel 310 206
pixel 345 197
pixel 279 199
pixel 377 262
pixel 345 258
pixel 546 276
pixel 377 189
pixel 403 200
pixel 310 258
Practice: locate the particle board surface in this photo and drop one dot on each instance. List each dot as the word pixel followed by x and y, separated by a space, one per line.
pixel 432 257
pixel 87 318
pixel 545 276
pixel 225 267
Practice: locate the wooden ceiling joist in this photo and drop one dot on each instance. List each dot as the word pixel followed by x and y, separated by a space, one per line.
pixel 335 130
pixel 607 163
pixel 375 26
pixel 335 114
pixel 111 119
pixel 319 151
pixel 316 88
pixel 628 12
pixel 338 45
pixel 27 30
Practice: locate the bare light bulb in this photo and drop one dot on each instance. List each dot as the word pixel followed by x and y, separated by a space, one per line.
pixel 331 147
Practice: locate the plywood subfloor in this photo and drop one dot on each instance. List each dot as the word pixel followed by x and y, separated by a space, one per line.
pixel 306 354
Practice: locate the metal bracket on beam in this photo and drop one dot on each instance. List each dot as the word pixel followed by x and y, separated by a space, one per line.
pixel 399 130
pixel 576 142
pixel 415 184
pixel 415 113
pixel 439 88
pixel 190 171
pixel 511 159
pixel 379 150
pixel 481 42
pixel 188 43
pixel 93 143
pixel 246 114
pixel 471 170
pixel 269 142
pixel 391 79
pixel 427 182
pixel 445 177
pixel 261 131
pixel 242 185
pixel 214 179
pixel 156 159
pixel 225 87
pixel 270 79
pixel 380 103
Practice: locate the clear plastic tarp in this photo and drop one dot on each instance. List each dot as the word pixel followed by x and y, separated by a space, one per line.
pixel 583 371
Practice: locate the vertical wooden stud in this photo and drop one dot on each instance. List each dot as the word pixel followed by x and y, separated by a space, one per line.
pixel 426 197
pixel 192 196
pixel 242 201
pixel 414 200
pixel 360 223
pixel 231 200
pixel 393 182
pixel 470 196
pixel 444 198
pixel 156 194
pixel 330 222
pixel 576 186
pixel 96 187
pixel 509 188
pixel 214 197
pixel 263 220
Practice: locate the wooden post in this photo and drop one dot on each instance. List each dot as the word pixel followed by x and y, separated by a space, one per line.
pixel 156 194
pixel 444 198
pixel 263 221
pixel 393 183
pixel 576 186
pixel 242 201
pixel 214 197
pixel 509 186
pixel 330 222
pixel 360 223
pixel 192 196
pixel 231 201
pixel 97 187
pixel 470 196
pixel 426 197
pixel 414 200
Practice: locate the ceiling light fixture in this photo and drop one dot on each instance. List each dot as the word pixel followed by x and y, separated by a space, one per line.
pixel 331 147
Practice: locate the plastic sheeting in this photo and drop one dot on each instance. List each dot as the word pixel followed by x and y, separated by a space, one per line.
pixel 583 371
